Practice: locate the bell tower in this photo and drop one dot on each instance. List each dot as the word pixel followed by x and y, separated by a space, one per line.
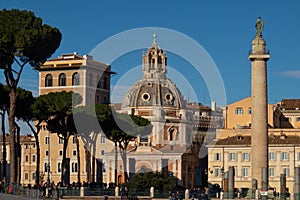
pixel 154 62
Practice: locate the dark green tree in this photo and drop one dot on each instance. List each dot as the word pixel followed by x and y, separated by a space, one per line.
pixel 122 129
pixel 27 112
pixel 23 112
pixel 24 39
pixel 4 106
pixel 59 108
pixel 88 128
pixel 163 182
pixel 117 127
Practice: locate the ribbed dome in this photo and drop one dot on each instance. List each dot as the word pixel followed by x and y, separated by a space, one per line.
pixel 155 89
pixel 153 92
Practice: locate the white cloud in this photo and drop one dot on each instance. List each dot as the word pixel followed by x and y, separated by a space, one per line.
pixel 291 74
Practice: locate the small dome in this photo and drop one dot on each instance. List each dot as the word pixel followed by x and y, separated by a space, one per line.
pixel 147 92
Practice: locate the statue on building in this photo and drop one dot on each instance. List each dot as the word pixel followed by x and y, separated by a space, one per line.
pixel 259 26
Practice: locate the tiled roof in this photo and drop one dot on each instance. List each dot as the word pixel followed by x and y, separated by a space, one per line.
pixel 173 149
pixel 23 138
pixel 272 140
pixel 290 104
pixel 7 138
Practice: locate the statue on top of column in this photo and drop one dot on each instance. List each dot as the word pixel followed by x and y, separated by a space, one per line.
pixel 259 26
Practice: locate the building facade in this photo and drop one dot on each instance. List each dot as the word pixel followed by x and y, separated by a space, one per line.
pixel 91 79
pixel 82 74
pixel 235 151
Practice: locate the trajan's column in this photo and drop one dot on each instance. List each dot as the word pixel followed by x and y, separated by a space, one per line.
pixel 259 139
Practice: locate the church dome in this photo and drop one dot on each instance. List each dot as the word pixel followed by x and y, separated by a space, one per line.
pixel 154 89
pixel 153 92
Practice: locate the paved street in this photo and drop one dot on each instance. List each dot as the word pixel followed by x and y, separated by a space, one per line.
pixel 12 197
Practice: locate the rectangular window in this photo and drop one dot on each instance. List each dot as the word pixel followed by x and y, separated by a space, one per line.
pixel 239 111
pixel 26 146
pixel 232 157
pixel 249 111
pixel 102 152
pixel 74 167
pixel 217 157
pixel 298 155
pixel 271 172
pixel 33 146
pixel 33 158
pixel 58 167
pixel 236 171
pixel 217 172
pixel 245 172
pixel 47 140
pixel 33 175
pixel 286 119
pixel 26 158
pixel 286 171
pixel 60 152
pixel 26 176
pixel 60 141
pixel 47 153
pixel 104 167
pixel 46 167
pixel 74 140
pixel 245 156
pixel 284 156
pixel 103 139
pixel 74 152
pixel 272 156
pixel 98 98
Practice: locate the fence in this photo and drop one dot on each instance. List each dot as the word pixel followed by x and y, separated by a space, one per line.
pixel 61 192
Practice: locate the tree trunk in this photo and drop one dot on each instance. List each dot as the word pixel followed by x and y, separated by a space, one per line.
pixel 37 144
pixel 65 145
pixel 124 159
pixel 12 129
pixel 93 168
pixel 4 147
pixel 78 159
pixel 88 165
pixel 116 163
pixel 18 151
pixel 38 158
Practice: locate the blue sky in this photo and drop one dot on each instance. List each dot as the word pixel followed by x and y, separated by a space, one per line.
pixel 224 28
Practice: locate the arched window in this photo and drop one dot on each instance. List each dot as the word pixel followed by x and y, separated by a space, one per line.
pixel 48 80
pixel 62 80
pixel 76 79
pixel 172 134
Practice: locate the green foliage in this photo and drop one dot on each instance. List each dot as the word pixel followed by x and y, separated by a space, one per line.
pixel 161 181
pixel 120 127
pixel 4 98
pixel 23 35
pixel 56 108
pixel 23 104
